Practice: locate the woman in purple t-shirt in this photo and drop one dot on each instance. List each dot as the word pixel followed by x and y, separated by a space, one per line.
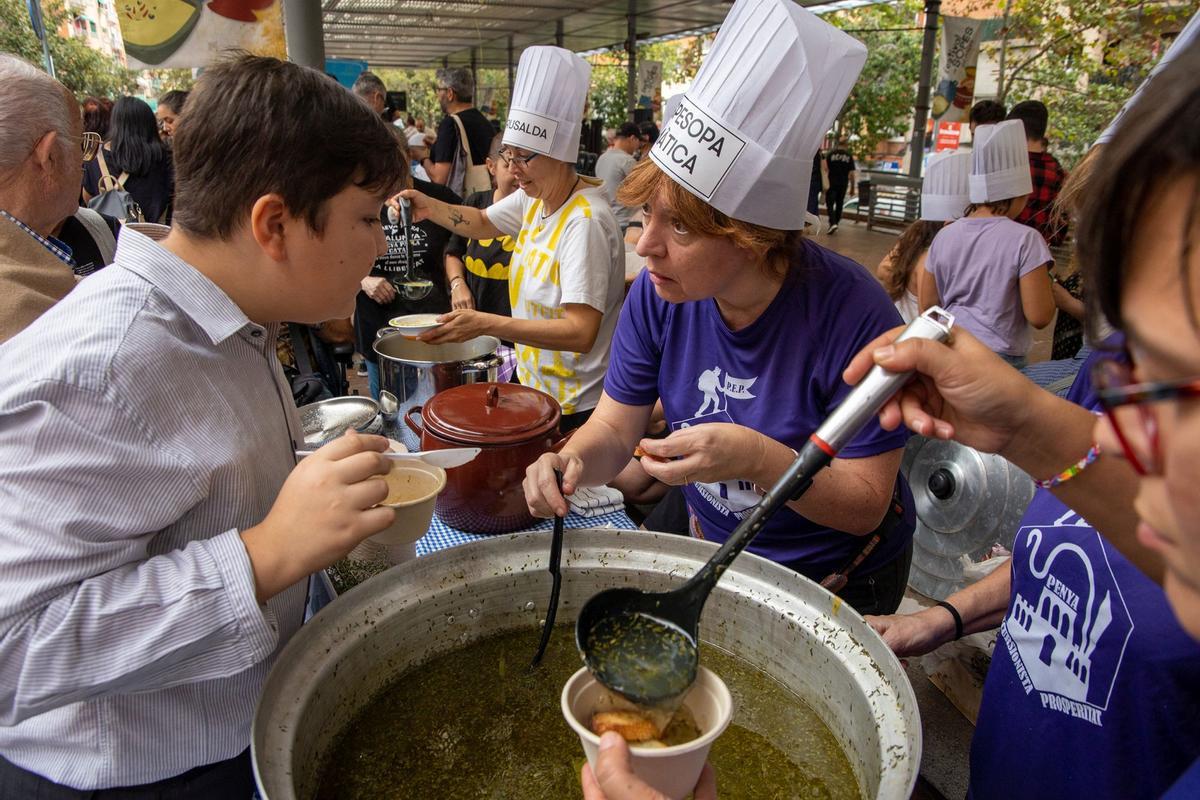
pixel 743 331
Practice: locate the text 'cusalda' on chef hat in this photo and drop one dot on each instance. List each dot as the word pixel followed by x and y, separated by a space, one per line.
pixel 945 192
pixel 548 97
pixel 746 130
pixel 1000 162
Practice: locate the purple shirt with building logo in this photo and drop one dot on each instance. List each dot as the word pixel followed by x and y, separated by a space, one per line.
pixel 1092 690
pixel 781 376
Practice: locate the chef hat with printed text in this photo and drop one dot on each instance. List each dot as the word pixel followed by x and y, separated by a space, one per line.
pixel 745 132
pixel 1000 162
pixel 945 192
pixel 548 97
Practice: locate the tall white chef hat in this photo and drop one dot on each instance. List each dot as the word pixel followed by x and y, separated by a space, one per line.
pixel 1000 162
pixel 945 192
pixel 547 102
pixel 746 130
pixel 671 106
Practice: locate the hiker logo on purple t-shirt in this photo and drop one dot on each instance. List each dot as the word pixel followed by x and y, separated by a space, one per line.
pixel 1066 600
pixel 716 388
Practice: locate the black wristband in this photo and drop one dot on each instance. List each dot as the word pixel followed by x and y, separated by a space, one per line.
pixel 634 225
pixel 958 623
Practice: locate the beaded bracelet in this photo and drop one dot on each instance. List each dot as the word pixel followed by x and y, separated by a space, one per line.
pixel 1071 471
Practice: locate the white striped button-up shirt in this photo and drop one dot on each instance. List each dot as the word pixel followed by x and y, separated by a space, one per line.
pixel 144 421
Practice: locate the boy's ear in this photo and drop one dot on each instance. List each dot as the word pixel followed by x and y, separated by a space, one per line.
pixel 268 218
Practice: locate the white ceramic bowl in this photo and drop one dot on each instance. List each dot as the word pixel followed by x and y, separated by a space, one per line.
pixel 413 325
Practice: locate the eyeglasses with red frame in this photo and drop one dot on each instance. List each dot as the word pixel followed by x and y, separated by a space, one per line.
pixel 1127 405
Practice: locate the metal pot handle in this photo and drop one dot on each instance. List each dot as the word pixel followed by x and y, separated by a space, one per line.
pixel 408 419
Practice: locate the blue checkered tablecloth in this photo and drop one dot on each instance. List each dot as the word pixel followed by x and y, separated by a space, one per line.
pixel 440 535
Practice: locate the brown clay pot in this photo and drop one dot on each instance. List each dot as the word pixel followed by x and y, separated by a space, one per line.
pixel 513 425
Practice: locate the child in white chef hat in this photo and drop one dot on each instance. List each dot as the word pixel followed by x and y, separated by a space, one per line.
pixel 990 272
pixel 944 198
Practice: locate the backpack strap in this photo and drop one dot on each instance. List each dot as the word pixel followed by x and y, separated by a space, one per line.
pixel 463 141
pixel 107 182
pixel 101 234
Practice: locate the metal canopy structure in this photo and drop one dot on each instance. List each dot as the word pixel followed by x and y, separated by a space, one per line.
pixel 492 33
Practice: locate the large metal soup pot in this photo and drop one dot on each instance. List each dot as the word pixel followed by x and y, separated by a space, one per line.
pixel 785 624
pixel 512 425
pixel 415 371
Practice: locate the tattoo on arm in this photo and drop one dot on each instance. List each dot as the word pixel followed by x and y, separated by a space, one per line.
pixel 456 218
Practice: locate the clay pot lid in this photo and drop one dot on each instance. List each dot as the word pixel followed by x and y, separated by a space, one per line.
pixel 491 413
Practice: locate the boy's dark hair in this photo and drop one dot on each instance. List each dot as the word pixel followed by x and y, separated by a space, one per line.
pixel 174 100
pixel 987 112
pixel 256 126
pixel 1033 116
pixel 1157 143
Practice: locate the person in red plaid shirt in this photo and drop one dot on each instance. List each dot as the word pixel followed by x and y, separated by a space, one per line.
pixel 1048 175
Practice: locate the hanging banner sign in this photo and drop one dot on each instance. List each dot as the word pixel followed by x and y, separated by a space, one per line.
pixel 649 84
pixel 956 68
pixel 194 33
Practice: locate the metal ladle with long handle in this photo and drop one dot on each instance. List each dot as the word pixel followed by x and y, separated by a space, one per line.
pixel 644 645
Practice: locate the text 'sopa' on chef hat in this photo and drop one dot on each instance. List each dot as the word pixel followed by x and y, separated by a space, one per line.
pixel 945 192
pixel 1000 162
pixel 746 130
pixel 547 103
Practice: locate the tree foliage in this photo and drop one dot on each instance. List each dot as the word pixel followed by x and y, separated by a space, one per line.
pixel 1082 58
pixel 880 105
pixel 609 95
pixel 80 68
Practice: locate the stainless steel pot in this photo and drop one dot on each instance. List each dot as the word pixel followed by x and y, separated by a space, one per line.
pixel 774 618
pixel 414 371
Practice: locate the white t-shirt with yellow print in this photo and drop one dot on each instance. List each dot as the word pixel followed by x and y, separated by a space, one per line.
pixel 574 255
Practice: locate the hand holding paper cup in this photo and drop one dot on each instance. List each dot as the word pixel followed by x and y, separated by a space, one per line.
pixel 673 771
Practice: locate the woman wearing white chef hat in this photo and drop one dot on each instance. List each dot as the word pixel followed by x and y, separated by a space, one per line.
pixel 740 326
pixel 944 198
pixel 567 273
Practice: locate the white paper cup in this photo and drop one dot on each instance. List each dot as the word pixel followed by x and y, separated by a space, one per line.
pixel 413 486
pixel 670 770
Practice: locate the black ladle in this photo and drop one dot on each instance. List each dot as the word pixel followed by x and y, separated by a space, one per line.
pixel 556 544
pixel 644 645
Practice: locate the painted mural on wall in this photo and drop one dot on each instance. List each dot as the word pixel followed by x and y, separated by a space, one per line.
pixel 193 33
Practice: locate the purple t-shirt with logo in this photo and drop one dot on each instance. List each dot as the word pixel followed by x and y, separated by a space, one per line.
pixel 978 263
pixel 781 376
pixel 1093 688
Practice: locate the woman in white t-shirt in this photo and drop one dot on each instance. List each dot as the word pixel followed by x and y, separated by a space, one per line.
pixel 566 279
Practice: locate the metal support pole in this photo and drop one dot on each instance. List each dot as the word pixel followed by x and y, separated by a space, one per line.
pixel 303 33
pixel 916 150
pixel 511 70
pixel 631 49
pixel 474 77
pixel 558 32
